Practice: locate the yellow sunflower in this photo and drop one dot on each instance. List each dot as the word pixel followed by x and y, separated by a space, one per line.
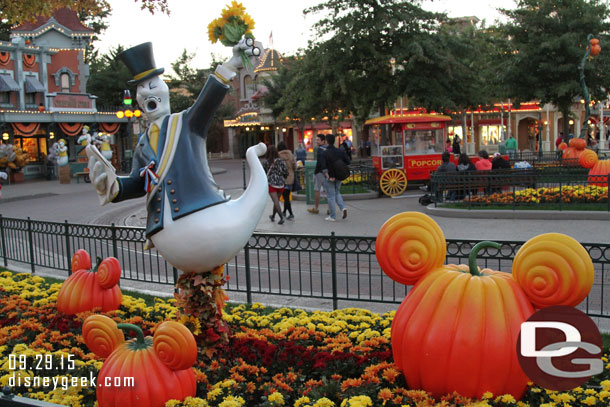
pixel 192 323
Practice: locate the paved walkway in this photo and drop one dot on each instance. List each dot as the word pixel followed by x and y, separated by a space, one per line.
pixel 78 203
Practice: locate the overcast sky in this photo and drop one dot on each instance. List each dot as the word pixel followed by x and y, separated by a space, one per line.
pixel 186 27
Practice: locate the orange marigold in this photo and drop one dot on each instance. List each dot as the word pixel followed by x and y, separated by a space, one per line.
pixel 390 374
pixel 384 394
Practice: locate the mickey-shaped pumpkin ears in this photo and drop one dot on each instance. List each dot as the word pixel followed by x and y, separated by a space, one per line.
pixel 173 343
pixel 409 245
pixel 553 269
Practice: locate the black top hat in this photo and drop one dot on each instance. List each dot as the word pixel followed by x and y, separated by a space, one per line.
pixel 140 62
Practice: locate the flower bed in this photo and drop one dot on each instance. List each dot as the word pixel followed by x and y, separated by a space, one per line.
pixel 275 357
pixel 529 196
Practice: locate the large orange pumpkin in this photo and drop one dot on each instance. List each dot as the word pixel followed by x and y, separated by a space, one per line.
pixel 151 362
pixel 87 290
pixel 457 329
pixel 598 175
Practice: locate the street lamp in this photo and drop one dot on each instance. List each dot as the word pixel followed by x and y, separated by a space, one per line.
pixel 129 112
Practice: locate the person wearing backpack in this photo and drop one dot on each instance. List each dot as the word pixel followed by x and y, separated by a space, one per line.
pixel 335 169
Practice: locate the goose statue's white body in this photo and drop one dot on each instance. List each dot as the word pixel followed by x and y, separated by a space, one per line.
pixel 210 237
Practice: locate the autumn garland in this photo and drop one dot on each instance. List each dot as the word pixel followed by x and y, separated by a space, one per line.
pixel 200 300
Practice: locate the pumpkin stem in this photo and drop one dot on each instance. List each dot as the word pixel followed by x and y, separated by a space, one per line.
pixel 472 257
pixel 133 328
pixel 97 265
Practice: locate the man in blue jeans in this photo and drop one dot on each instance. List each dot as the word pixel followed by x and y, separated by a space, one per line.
pixel 333 185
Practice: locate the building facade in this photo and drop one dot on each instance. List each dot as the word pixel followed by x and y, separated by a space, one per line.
pixel 43 91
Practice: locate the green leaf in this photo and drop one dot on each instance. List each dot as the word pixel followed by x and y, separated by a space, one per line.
pixel 233 32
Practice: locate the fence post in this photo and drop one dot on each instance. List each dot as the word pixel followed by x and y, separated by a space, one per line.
pixel 243 172
pixel 31 243
pixel 68 257
pixel 175 271
pixel 248 276
pixel 3 241
pixel 333 254
pixel 560 193
pixel 115 249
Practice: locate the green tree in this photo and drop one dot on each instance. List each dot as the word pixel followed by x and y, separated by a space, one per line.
pixel 15 12
pixel 547 42
pixel 185 84
pixel 358 40
pixel 108 78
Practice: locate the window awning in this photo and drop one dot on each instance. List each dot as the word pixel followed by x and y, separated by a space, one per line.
pixel 33 85
pixel 8 84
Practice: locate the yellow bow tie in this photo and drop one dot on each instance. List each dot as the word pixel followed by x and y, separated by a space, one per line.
pixel 153 137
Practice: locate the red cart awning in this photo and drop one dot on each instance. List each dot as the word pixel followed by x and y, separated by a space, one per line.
pixel 408 118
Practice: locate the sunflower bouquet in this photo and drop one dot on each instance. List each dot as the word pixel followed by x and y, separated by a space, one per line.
pixel 231 26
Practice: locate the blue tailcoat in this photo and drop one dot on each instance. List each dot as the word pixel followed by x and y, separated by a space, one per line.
pixel 188 184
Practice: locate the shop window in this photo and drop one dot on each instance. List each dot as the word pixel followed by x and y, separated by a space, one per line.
pixel 491 137
pixel 34 147
pixel 5 98
pixel 64 82
pixel 30 99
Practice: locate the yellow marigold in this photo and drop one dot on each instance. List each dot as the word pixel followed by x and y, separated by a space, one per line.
pixel 590 401
pixel 605 384
pixel 323 402
pixel 487 395
pixel 276 398
pixel 301 401
pixel 232 401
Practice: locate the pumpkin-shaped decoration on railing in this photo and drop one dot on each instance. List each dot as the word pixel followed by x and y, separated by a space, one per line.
pixel 588 159
pixel 87 290
pixel 457 329
pixel 161 366
pixel 599 173
pixel 574 151
pixel 562 146
pixel 595 47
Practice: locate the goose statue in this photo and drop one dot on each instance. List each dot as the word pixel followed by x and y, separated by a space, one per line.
pixel 190 221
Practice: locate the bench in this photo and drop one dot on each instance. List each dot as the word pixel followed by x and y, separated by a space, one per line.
pixel 84 174
pixel 461 184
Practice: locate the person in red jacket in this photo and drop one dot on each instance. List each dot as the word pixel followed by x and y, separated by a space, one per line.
pixel 483 164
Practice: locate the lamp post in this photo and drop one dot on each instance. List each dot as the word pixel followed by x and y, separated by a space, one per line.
pixel 129 112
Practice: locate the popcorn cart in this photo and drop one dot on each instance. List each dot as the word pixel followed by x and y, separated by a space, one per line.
pixel 417 141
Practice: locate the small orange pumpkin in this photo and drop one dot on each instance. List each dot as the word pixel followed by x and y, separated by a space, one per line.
pixel 598 174
pixel 457 329
pixel 562 145
pixel 578 143
pixel 87 290
pixel 151 362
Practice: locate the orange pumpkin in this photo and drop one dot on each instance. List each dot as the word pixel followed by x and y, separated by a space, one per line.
pixel 578 143
pixel 562 146
pixel 87 290
pixel 155 381
pixel 588 159
pixel 571 156
pixel 598 174
pixel 457 329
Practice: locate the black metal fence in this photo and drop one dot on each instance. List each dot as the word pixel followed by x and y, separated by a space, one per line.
pixel 551 187
pixel 331 267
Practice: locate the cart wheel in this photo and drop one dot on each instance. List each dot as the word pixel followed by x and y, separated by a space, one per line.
pixel 393 182
pixel 87 178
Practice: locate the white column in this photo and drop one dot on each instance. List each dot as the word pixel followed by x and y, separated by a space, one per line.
pixel 602 129
pixel 546 145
